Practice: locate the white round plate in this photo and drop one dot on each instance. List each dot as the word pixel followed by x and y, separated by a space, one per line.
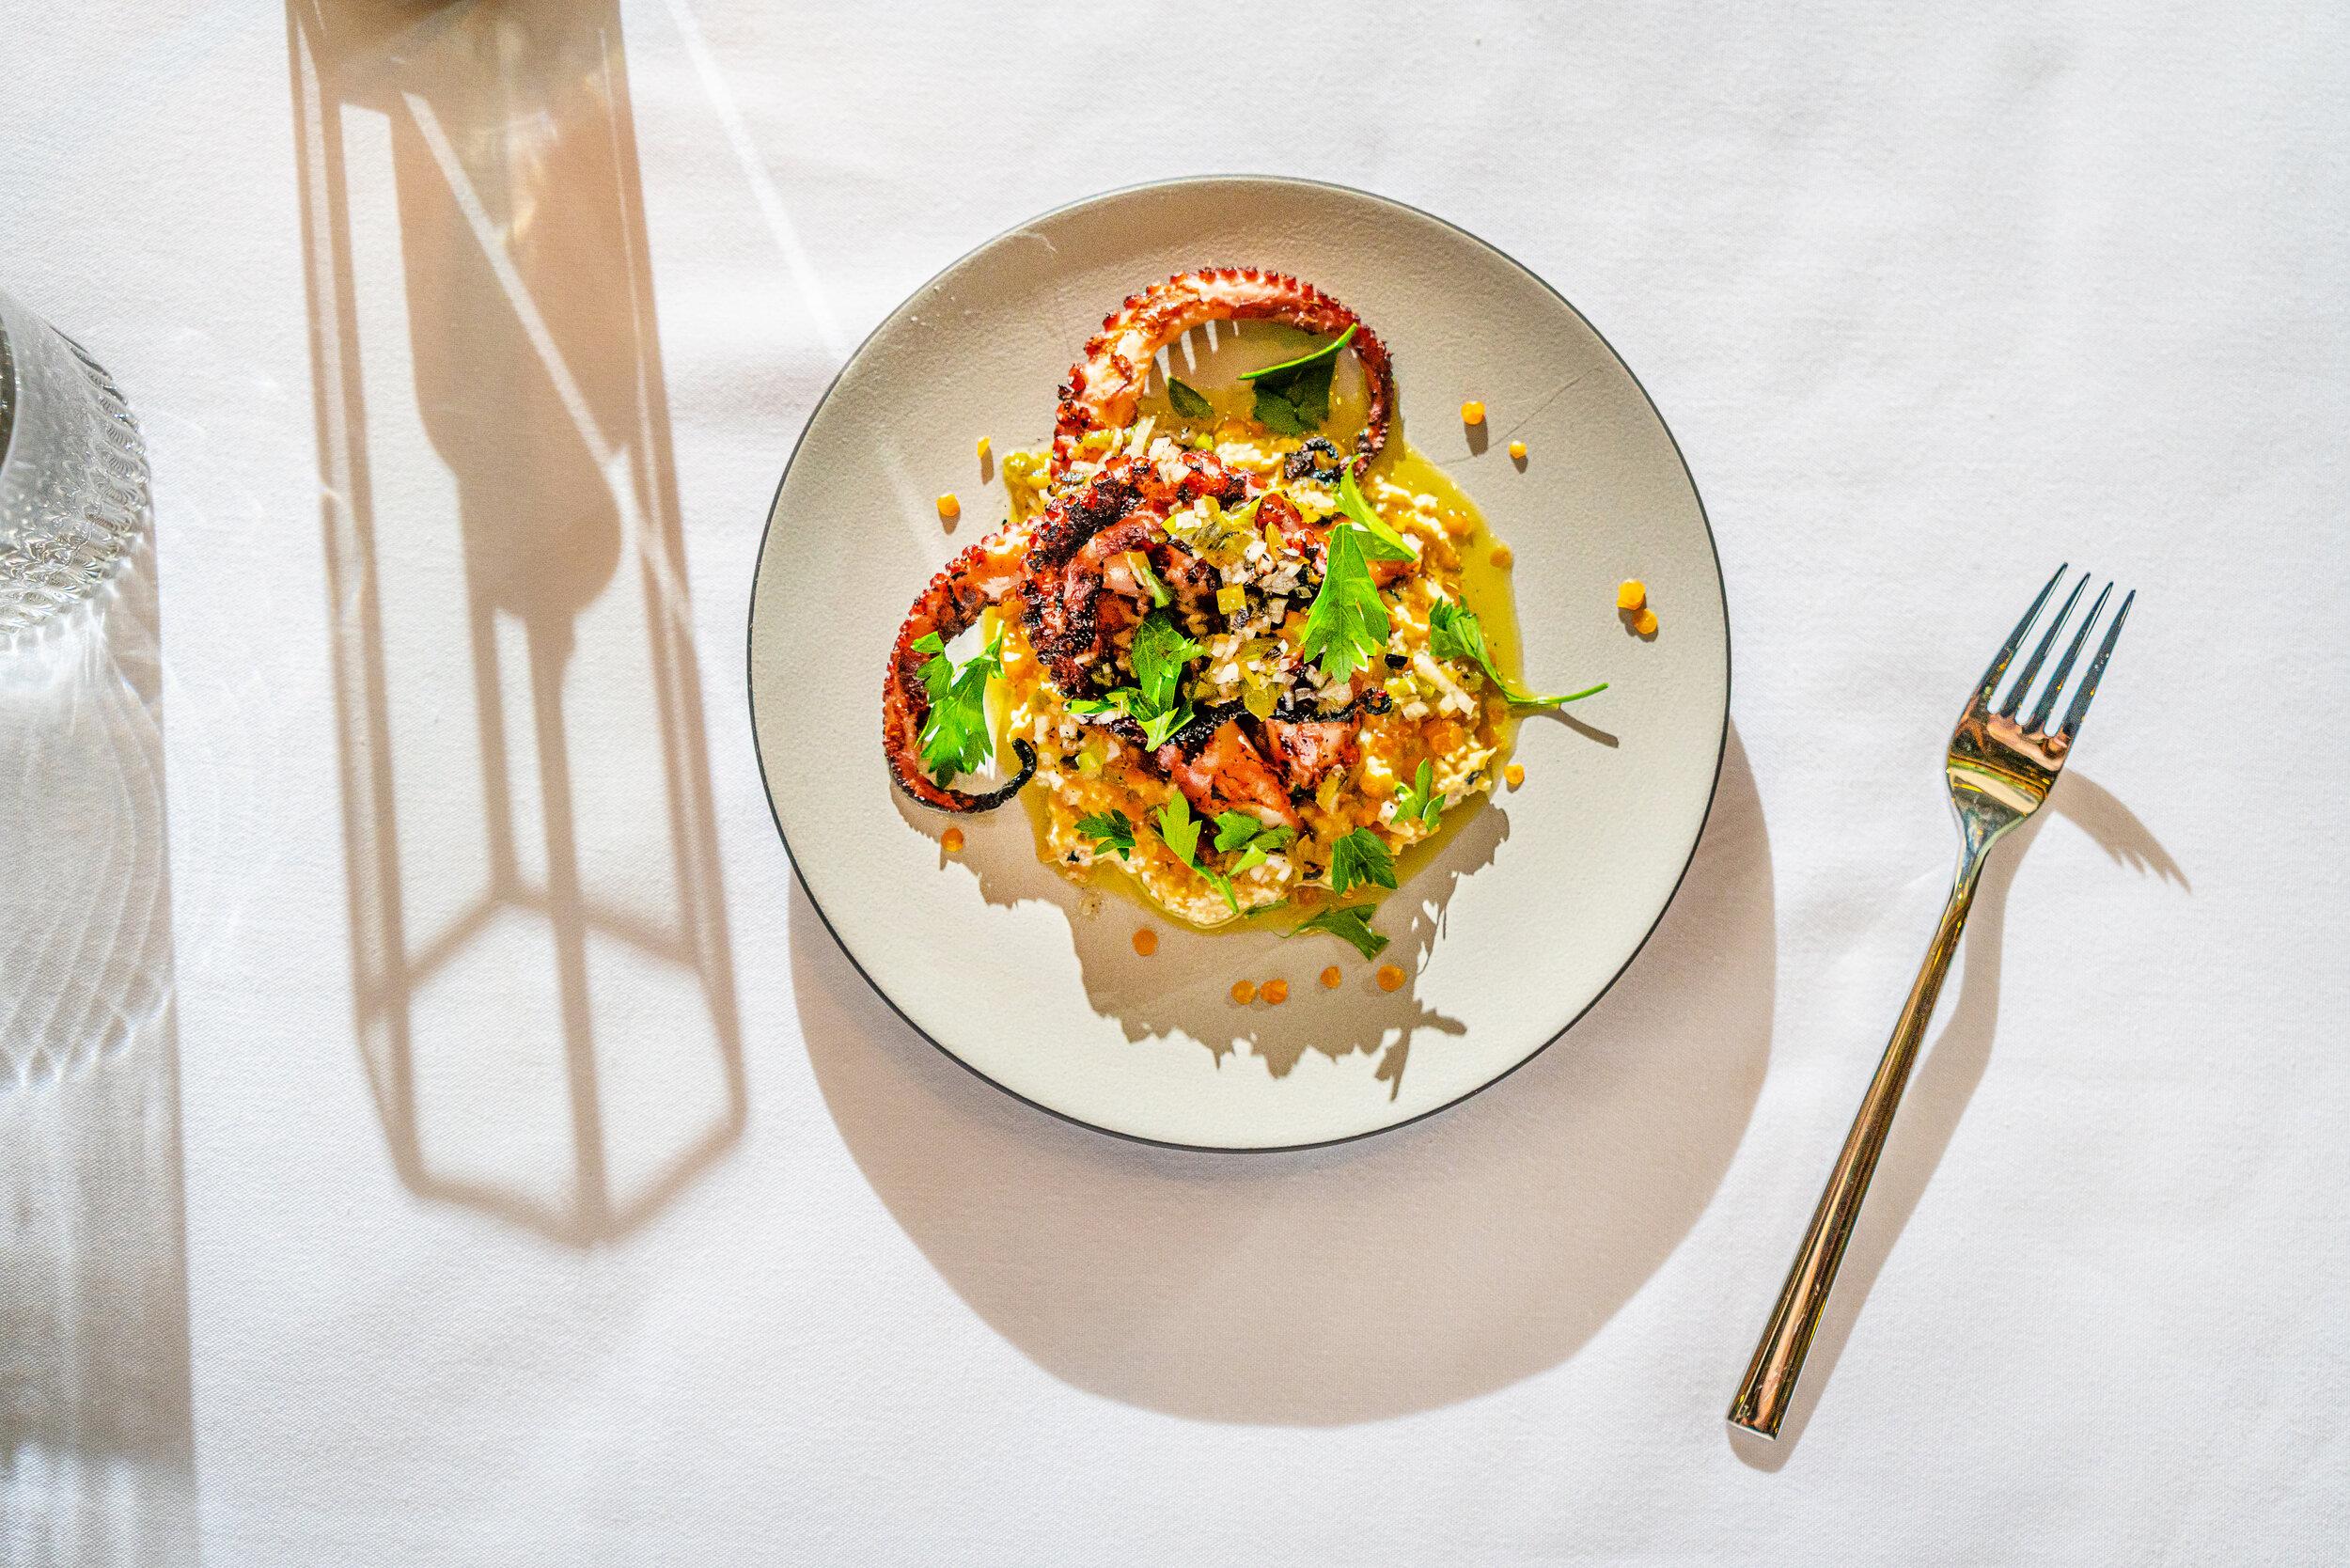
pixel 1530 910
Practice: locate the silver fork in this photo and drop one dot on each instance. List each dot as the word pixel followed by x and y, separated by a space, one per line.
pixel 2000 770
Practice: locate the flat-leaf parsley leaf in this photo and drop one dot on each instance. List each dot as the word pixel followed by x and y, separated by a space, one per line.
pixel 1347 624
pixel 1179 829
pixel 955 737
pixel 1454 633
pixel 1159 728
pixel 1360 860
pixel 1358 512
pixel 1111 830
pixel 1158 655
pixel 1348 923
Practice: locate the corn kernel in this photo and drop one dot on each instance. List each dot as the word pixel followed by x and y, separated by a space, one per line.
pixel 1330 977
pixel 986 450
pixel 1645 623
pixel 1146 941
pixel 1244 992
pixel 1515 774
pixel 1502 556
pixel 1631 594
pixel 1390 977
pixel 1517 451
pixel 1276 991
pixel 1472 413
pixel 951 840
pixel 949 508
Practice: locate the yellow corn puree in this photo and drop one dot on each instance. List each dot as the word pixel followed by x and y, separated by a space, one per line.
pixel 1444 710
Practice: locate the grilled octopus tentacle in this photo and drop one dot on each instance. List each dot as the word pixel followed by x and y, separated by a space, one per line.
pixel 1104 384
pixel 984 575
pixel 1123 507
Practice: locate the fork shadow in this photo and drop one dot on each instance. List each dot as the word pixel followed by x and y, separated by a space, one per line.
pixel 1945 1081
pixel 543 981
pixel 1433 1263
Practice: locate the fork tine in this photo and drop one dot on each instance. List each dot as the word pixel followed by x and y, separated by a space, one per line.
pixel 2040 654
pixel 2015 638
pixel 2096 668
pixel 2064 665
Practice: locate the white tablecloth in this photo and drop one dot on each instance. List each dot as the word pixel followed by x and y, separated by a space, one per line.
pixel 555 1193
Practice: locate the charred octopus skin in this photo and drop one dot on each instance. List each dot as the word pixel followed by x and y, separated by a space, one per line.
pixel 1068 575
pixel 1073 611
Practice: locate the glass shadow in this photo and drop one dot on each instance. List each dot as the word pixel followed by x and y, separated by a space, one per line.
pixel 542 982
pixel 97 1438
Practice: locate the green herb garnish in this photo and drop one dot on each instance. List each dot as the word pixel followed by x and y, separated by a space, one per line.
pixel 1312 357
pixel 1179 830
pixel 1238 830
pixel 1187 401
pixel 1348 623
pixel 955 736
pixel 1235 828
pixel 1158 656
pixel 1159 728
pixel 1358 512
pixel 1454 633
pixel 1148 578
pixel 1109 831
pixel 1349 923
pixel 1420 799
pixel 1360 860
pixel 1294 396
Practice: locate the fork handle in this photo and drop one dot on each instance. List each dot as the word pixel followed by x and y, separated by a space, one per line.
pixel 1769 1384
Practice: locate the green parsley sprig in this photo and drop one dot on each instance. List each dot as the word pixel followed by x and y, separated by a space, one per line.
pixel 1349 923
pixel 1454 633
pixel 1158 655
pixel 1180 831
pixel 1360 860
pixel 1110 830
pixel 1347 624
pixel 955 736
pixel 1358 512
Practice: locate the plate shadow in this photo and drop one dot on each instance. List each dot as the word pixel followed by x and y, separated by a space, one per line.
pixel 1430 1264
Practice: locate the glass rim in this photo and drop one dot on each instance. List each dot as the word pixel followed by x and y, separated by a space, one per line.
pixel 7 385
